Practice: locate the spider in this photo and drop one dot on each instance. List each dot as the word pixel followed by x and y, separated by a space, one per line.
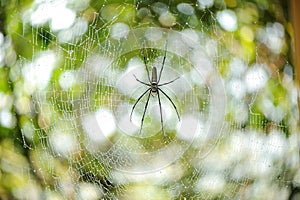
pixel 154 88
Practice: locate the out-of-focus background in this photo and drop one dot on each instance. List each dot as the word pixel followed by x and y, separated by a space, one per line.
pixel 67 88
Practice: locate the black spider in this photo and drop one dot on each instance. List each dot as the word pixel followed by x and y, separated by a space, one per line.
pixel 154 88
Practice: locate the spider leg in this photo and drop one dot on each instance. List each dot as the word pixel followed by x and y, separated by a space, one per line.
pixel 163 63
pixel 138 101
pixel 145 62
pixel 171 102
pixel 169 82
pixel 141 81
pixel 161 118
pixel 145 109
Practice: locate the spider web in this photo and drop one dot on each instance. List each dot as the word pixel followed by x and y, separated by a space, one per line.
pixel 230 142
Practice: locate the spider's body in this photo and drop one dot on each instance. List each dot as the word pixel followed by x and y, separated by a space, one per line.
pixel 154 87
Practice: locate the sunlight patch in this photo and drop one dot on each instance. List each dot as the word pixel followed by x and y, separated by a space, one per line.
pixel 187 127
pixel 185 8
pixel 227 19
pixel 56 12
pixel 153 35
pixel 99 125
pixel 106 121
pixel 119 30
pixel 66 79
pixel 272 36
pixel 37 74
pixel 213 183
pixel 89 191
pixel 167 19
pixel 256 78
pixel 7 119
pixel 203 4
pixel 63 143
pixel 237 88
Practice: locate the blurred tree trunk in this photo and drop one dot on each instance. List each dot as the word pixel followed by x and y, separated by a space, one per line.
pixel 295 12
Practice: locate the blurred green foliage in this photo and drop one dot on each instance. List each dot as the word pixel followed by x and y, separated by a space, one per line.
pixel 30 168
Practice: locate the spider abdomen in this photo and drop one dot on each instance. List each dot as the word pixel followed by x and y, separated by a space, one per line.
pixel 154 86
pixel 154 76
